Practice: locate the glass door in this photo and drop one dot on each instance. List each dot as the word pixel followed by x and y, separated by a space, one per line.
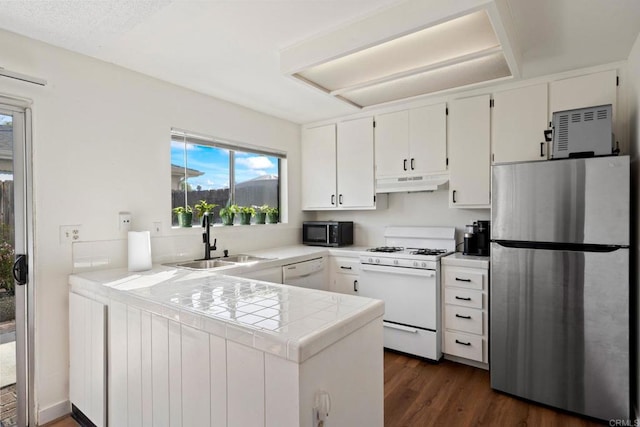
pixel 13 268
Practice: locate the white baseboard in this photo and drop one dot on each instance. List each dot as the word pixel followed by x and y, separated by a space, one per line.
pixel 54 412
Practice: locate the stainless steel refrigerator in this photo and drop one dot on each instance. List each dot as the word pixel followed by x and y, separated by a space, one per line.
pixel 559 293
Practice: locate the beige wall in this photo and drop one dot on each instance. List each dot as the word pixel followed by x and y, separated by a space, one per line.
pixel 101 146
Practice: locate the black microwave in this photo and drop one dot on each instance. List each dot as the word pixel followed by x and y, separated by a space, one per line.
pixel 327 233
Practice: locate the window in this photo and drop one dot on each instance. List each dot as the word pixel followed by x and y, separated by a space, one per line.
pixel 219 172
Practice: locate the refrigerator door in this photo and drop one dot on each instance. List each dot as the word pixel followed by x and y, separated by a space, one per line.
pixel 559 328
pixel 562 201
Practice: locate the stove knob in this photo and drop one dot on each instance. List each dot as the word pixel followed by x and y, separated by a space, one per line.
pixel 377 260
pixel 424 264
pixel 415 263
pixel 370 259
pixel 395 261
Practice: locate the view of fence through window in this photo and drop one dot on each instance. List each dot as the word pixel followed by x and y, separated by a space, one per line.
pixel 221 175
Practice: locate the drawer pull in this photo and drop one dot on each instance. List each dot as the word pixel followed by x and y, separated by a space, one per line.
pixel 355 286
pixel 400 328
pixel 463 343
pixel 462 280
pixel 345 268
pixel 463 298
pixel 463 317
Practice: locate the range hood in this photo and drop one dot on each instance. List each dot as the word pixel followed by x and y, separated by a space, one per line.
pixel 412 183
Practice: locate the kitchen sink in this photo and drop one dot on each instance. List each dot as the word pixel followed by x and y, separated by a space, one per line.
pixel 204 264
pixel 242 258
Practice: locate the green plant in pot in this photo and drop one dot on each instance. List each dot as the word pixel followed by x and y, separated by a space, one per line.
pixel 246 212
pixel 185 215
pixel 261 213
pixel 203 207
pixel 272 215
pixel 228 213
pixel 7 289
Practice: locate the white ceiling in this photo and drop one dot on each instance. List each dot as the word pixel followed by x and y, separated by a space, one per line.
pixel 230 48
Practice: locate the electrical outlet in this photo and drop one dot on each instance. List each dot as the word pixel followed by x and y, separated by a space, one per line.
pixel 156 230
pixel 70 233
pixel 124 221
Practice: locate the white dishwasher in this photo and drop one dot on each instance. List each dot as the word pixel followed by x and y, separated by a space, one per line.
pixel 306 274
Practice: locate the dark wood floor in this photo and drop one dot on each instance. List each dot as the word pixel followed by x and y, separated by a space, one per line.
pixel 421 394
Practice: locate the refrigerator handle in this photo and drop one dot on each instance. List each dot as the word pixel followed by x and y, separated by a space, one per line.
pixel 576 247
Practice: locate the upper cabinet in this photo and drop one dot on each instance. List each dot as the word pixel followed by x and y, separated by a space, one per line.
pixel 584 91
pixel 469 164
pixel 411 142
pixel 337 166
pixel 518 122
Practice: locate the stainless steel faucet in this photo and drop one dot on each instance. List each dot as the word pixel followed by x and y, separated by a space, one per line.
pixel 206 236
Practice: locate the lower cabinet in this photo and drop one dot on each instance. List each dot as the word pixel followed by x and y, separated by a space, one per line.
pixel 465 313
pixel 344 275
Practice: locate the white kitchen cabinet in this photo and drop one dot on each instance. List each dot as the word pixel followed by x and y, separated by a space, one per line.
pixel 583 91
pixel 87 357
pixel 411 142
pixel 319 167
pixel 338 166
pixel 344 275
pixel 465 315
pixel 469 152
pixel 518 121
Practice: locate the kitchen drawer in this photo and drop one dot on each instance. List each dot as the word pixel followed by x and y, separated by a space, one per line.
pixel 464 345
pixel 342 265
pixel 412 340
pixel 464 297
pixel 464 319
pixel 464 277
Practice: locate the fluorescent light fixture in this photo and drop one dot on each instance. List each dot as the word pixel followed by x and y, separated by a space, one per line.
pixel 22 77
pixel 454 53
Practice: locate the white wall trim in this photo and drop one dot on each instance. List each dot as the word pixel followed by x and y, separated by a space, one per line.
pixel 54 412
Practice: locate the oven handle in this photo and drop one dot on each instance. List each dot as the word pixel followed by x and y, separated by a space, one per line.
pixel 397 270
pixel 400 327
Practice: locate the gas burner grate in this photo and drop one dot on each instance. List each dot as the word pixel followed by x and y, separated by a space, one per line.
pixel 387 249
pixel 429 252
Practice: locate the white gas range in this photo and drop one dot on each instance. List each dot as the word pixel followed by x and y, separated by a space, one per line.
pixel 406 276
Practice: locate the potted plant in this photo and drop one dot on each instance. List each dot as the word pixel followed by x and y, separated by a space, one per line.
pixel 228 213
pixel 7 289
pixel 246 212
pixel 272 215
pixel 203 207
pixel 185 215
pixel 261 213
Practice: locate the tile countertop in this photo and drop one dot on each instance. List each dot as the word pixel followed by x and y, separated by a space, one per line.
pixel 291 322
pixel 460 260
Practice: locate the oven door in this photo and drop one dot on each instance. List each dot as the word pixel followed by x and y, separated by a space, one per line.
pixel 410 295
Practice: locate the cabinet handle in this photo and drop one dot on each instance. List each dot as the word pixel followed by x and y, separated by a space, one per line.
pixel 340 199
pixel 453 196
pixel 345 268
pixel 404 164
pixel 333 199
pixel 542 149
pixel 355 286
pixel 462 317
pixel 463 280
pixel 412 162
pixel 463 298
pixel 463 343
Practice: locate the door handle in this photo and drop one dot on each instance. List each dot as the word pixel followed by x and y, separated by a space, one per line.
pixel 462 317
pixel 453 195
pixel 412 162
pixel 355 286
pixel 463 343
pixel 333 199
pixel 404 164
pixel 340 199
pixel 400 327
pixel 20 269
pixel 463 299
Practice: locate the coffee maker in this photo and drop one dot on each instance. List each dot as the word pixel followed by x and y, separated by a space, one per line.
pixel 477 238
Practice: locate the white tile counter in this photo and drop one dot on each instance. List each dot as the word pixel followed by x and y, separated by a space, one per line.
pixel 471 261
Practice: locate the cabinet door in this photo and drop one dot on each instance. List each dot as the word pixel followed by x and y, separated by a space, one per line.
pixel 584 91
pixel 345 284
pixel 356 182
pixel 428 139
pixel 469 166
pixel 392 143
pixel 319 167
pixel 518 121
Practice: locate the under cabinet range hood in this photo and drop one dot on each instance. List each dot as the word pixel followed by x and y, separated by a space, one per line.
pixel 412 183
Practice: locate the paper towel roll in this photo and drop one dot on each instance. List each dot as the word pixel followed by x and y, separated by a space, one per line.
pixel 139 250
